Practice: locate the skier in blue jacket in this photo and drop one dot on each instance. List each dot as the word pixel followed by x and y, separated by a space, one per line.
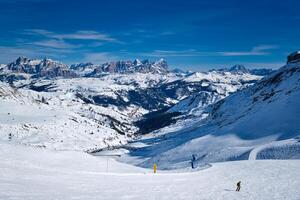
pixel 193 160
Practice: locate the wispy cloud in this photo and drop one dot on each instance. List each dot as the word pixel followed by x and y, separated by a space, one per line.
pixel 37 32
pixel 265 47
pixel 179 53
pixel 96 44
pixel 10 53
pixel 44 43
pixel 87 35
pixel 58 44
pixel 273 65
pixel 78 35
pixel 167 33
pixel 142 33
pixel 99 58
pixel 255 51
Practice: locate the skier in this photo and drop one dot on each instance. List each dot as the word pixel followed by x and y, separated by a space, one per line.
pixel 238 186
pixel 9 136
pixel 193 160
pixel 154 168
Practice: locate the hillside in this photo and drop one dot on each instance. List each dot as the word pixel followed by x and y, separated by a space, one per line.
pixel 88 113
pixel 261 120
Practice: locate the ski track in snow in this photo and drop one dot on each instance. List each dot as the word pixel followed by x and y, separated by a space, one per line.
pixel 35 173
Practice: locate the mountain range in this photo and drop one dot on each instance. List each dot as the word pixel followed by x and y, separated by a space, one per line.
pixel 25 68
pixel 104 105
pixel 152 113
pixel 258 122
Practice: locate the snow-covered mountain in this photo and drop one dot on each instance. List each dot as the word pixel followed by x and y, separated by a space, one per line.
pixel 38 68
pixel 269 107
pixel 258 122
pixel 242 69
pixel 194 92
pixel 2 66
pixel 125 67
pixel 110 108
pixel 25 68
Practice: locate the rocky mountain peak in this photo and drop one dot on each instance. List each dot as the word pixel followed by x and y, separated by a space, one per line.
pixel 21 60
pixel 137 62
pixel 239 68
pixel 161 63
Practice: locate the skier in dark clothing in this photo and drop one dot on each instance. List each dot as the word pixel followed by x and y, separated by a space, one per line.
pixel 193 160
pixel 238 186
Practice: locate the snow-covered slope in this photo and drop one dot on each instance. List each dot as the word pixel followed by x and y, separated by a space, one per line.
pixel 59 121
pixel 34 173
pixel 221 116
pixel 215 85
pixel 94 113
pixel 88 113
pixel 270 107
pixel 263 118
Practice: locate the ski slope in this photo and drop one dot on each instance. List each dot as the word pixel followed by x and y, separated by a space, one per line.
pixel 35 173
pixel 284 149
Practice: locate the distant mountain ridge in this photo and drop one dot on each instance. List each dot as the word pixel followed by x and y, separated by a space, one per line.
pixel 47 68
pixel 242 69
pixel 26 68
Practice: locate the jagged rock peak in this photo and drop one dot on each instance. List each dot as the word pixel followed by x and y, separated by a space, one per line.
pixel 238 68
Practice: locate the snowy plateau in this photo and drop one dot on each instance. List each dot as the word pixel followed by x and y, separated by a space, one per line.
pixel 86 131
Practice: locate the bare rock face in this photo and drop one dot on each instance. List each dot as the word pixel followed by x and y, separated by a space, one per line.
pixel 40 68
pixel 293 57
pixel 125 67
pixel 121 67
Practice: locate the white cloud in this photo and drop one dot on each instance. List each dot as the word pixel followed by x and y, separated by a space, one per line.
pixel 86 35
pixel 96 44
pixel 273 65
pixel 8 53
pixel 180 53
pixel 55 45
pixel 255 51
pixel 265 47
pixel 40 32
pixel 78 35
pixel 243 53
pixel 99 58
pixel 58 44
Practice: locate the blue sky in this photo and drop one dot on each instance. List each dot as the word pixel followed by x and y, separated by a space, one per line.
pixel 189 34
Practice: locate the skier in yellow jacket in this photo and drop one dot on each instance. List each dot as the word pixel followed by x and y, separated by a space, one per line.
pixel 154 167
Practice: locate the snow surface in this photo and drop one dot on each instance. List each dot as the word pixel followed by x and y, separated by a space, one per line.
pixel 63 115
pixel 62 123
pixel 260 122
pixel 35 173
